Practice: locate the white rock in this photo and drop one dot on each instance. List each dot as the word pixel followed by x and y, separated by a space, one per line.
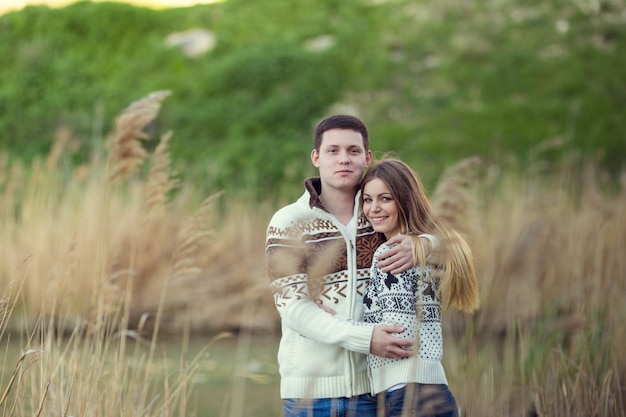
pixel 193 42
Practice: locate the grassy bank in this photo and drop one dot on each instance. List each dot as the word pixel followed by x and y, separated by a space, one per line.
pixel 118 250
pixel 435 81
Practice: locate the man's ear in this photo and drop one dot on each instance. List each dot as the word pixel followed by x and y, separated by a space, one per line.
pixel 368 157
pixel 315 158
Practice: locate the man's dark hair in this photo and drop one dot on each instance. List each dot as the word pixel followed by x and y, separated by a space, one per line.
pixel 340 121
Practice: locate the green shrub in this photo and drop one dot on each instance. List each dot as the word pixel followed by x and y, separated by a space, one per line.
pixel 435 81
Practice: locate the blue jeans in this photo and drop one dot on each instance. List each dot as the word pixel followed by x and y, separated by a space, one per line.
pixel 360 406
pixel 421 400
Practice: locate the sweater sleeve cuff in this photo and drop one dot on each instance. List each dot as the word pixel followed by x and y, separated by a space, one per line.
pixel 433 242
pixel 361 338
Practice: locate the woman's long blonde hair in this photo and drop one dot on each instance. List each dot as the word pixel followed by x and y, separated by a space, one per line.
pixel 452 258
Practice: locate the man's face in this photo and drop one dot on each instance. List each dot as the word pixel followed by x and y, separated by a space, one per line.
pixel 342 158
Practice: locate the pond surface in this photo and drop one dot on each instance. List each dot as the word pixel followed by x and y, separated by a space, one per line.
pixel 237 375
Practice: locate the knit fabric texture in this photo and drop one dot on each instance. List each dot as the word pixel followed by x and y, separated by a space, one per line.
pixel 408 300
pixel 311 259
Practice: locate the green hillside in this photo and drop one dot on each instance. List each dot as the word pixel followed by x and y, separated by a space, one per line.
pixel 435 81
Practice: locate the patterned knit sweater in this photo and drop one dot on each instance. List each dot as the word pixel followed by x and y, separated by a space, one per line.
pixel 407 300
pixel 313 258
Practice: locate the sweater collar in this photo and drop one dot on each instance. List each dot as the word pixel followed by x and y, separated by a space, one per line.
pixel 314 187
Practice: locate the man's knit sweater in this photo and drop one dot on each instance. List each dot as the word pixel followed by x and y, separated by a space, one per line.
pixel 409 300
pixel 313 258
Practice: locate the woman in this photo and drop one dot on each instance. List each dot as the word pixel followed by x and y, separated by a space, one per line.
pixel 394 202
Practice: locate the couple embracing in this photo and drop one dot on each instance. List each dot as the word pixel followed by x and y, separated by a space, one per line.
pixel 360 270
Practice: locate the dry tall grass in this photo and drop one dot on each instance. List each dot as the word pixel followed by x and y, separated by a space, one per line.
pixel 547 339
pixel 97 256
pixel 96 264
pixel 107 372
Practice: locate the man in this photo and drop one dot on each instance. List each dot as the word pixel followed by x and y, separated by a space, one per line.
pixel 319 251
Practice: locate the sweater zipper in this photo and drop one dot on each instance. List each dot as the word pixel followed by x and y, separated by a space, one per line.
pixel 352 287
pixel 352 279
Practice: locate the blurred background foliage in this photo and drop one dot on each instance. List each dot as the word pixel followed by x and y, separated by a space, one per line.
pixel 435 81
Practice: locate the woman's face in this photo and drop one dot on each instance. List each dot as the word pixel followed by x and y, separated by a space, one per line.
pixel 380 208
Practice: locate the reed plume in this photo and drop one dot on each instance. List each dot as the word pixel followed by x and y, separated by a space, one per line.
pixel 159 183
pixel 323 263
pixel 453 200
pixel 454 206
pixel 128 153
pixel 193 237
pixel 182 288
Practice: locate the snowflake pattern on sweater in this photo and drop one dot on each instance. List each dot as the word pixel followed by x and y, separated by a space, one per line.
pixel 312 257
pixel 409 300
